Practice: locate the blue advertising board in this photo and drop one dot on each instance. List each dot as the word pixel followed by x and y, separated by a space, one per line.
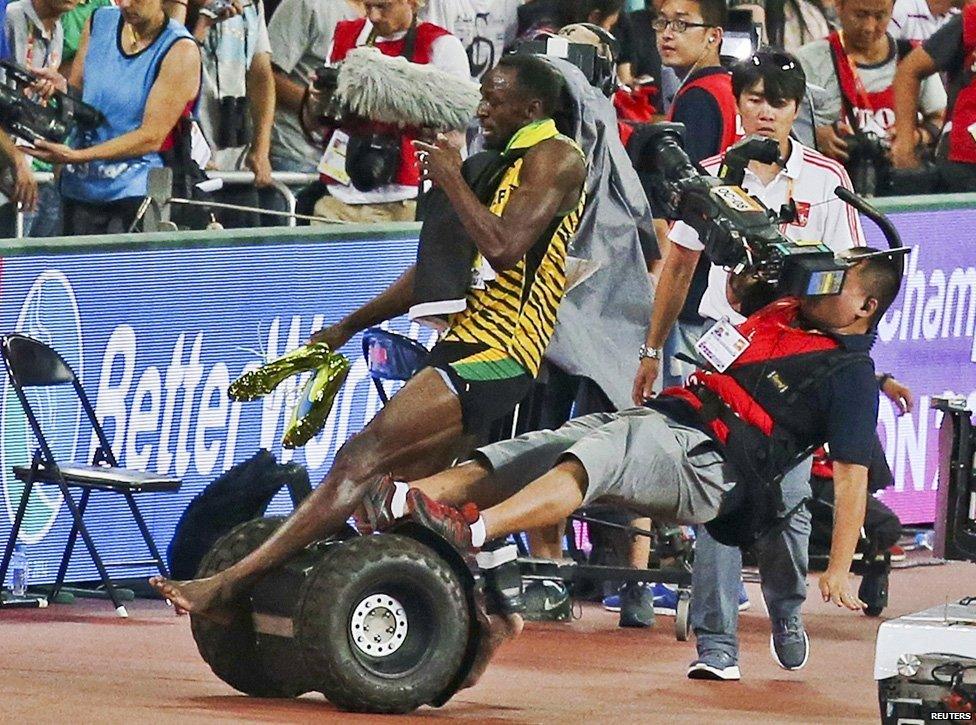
pixel 157 330
pixel 927 341
pixel 156 337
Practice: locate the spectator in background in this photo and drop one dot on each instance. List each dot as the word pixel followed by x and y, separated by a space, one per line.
pixel 385 27
pixel 791 24
pixel 856 67
pixel 484 27
pixel 689 36
pixel 536 17
pixel 142 71
pixel 916 20
pixel 300 32
pixel 644 59
pixel 36 40
pixel 238 86
pixel 73 23
pixel 20 187
pixel 951 49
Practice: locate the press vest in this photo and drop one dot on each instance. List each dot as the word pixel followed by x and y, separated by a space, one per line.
pixel 515 312
pixel 118 85
pixel 719 87
pixel 755 411
pixel 962 144
pixel 348 32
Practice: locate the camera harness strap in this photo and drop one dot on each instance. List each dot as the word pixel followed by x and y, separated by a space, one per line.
pixel 853 94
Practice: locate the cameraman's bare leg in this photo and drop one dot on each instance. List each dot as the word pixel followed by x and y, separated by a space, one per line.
pixel 547 500
pixel 420 422
pixel 640 546
pixel 547 542
pixel 469 481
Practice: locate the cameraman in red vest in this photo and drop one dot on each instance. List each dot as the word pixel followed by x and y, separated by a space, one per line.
pixel 392 27
pixel 951 49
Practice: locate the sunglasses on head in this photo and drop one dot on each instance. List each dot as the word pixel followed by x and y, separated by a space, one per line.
pixel 782 61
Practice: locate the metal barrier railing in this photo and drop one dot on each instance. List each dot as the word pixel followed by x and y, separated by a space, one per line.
pixel 282 182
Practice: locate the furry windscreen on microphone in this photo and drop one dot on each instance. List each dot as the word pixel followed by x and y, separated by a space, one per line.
pixel 390 89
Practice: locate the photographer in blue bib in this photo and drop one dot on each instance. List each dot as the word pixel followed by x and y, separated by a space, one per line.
pixel 144 77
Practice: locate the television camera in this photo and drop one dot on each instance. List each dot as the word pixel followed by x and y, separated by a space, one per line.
pixel 737 230
pixel 29 117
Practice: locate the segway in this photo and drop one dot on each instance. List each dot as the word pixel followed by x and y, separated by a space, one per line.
pixel 382 623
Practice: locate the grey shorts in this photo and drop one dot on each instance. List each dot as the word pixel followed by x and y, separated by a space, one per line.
pixel 638 458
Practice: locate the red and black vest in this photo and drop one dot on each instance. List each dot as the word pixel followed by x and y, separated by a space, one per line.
pixel 348 32
pixel 756 413
pixel 962 144
pixel 719 87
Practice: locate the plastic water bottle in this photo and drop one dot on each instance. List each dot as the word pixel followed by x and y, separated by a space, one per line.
pixel 19 571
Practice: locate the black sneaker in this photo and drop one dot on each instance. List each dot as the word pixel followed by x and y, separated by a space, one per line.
pixel 637 605
pixel 714 665
pixel 547 600
pixel 789 644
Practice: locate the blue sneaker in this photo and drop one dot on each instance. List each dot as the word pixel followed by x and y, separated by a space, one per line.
pixel 665 600
pixel 744 603
pixel 714 665
pixel 612 603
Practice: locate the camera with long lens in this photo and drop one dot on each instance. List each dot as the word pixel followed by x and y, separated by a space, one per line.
pixel 27 116
pixel 737 230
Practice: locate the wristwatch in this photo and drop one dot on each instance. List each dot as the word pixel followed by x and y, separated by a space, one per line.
pixel 652 353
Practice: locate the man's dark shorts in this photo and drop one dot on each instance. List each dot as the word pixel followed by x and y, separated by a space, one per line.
pixel 488 383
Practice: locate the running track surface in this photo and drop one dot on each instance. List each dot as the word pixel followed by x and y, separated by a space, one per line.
pixel 80 663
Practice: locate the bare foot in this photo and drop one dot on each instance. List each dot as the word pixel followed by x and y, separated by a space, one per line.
pixel 501 628
pixel 204 597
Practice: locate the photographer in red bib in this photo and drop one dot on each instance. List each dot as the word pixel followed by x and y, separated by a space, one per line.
pixel 392 27
pixel 855 116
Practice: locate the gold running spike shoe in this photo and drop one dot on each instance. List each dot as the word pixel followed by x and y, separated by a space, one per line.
pixel 315 404
pixel 258 383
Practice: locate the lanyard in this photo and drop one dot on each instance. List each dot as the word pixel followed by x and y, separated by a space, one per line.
pixel 48 55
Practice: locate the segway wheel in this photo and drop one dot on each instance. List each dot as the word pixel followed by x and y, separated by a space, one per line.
pixel 682 621
pixel 383 625
pixel 231 649
pixel 874 592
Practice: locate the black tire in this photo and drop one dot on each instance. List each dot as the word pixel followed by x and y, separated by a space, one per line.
pixel 422 590
pixel 874 592
pixel 231 650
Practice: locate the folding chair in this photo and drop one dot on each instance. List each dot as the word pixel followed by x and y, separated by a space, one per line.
pixel 30 363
